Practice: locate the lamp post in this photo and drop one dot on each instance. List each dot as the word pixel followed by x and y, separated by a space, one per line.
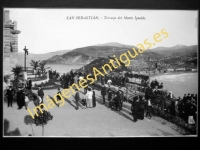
pixel 26 53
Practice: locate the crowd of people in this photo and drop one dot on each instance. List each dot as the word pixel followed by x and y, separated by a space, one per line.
pixel 116 99
pixel 113 79
pixel 23 95
pixel 186 108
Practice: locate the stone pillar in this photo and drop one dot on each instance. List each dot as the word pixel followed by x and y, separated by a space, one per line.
pixel 6 16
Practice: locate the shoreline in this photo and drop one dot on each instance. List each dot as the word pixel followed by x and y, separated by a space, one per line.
pixel 172 73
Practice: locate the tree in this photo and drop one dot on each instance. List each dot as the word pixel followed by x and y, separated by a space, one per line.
pixel 41 65
pixel 17 70
pixel 42 119
pixel 34 64
pixel 29 120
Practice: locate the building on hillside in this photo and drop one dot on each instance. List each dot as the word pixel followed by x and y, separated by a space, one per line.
pixel 10 43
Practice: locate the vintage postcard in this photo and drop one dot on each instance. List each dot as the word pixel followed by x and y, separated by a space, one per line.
pixel 100 72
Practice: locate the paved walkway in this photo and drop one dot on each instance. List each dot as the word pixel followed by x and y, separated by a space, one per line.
pixel 98 121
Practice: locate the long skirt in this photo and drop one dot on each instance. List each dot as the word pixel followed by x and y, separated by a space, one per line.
pixel 94 101
pixel 89 102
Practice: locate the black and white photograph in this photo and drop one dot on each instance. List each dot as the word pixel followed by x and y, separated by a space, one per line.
pixel 72 72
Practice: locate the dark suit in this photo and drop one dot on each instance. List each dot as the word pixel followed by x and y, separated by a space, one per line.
pixel 77 98
pixel 9 95
pixel 120 95
pixel 94 99
pixel 141 109
pixel 20 99
pixel 135 109
pixel 103 93
pixel 29 84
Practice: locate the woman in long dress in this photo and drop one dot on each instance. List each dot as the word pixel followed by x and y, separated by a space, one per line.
pixel 89 98
pixel 93 98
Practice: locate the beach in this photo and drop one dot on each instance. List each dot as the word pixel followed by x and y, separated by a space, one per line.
pixel 179 83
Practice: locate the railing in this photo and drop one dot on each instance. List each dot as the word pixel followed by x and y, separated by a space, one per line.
pixel 174 119
pixel 155 110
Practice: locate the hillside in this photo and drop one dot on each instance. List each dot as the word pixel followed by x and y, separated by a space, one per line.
pixel 86 55
pixel 32 56
pixel 178 49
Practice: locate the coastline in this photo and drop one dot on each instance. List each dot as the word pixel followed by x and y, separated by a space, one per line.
pixel 173 73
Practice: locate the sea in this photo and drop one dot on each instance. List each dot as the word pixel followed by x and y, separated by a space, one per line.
pixel 63 68
pixel 179 84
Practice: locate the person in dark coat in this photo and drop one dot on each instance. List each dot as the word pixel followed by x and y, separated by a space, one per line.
pixel 93 98
pixel 29 84
pixel 141 107
pixel 181 109
pixel 120 97
pixel 187 110
pixel 41 94
pixel 188 97
pixel 149 94
pixel 116 101
pixel 77 98
pixel 9 96
pixel 135 108
pixel 109 94
pixel 102 81
pixel 20 98
pixel 184 99
pixel 103 93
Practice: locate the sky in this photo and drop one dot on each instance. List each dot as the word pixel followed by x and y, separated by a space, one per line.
pixel 48 30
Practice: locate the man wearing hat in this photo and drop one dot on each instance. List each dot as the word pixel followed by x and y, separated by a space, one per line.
pixel 41 94
pixel 9 96
pixel 20 98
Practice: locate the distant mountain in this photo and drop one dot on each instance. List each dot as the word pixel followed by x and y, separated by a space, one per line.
pixel 86 55
pixel 178 49
pixel 177 56
pixel 116 44
pixel 32 56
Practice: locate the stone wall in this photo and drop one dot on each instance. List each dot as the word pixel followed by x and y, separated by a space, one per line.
pixel 10 39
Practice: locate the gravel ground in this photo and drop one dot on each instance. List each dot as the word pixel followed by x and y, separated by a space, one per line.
pixel 96 122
